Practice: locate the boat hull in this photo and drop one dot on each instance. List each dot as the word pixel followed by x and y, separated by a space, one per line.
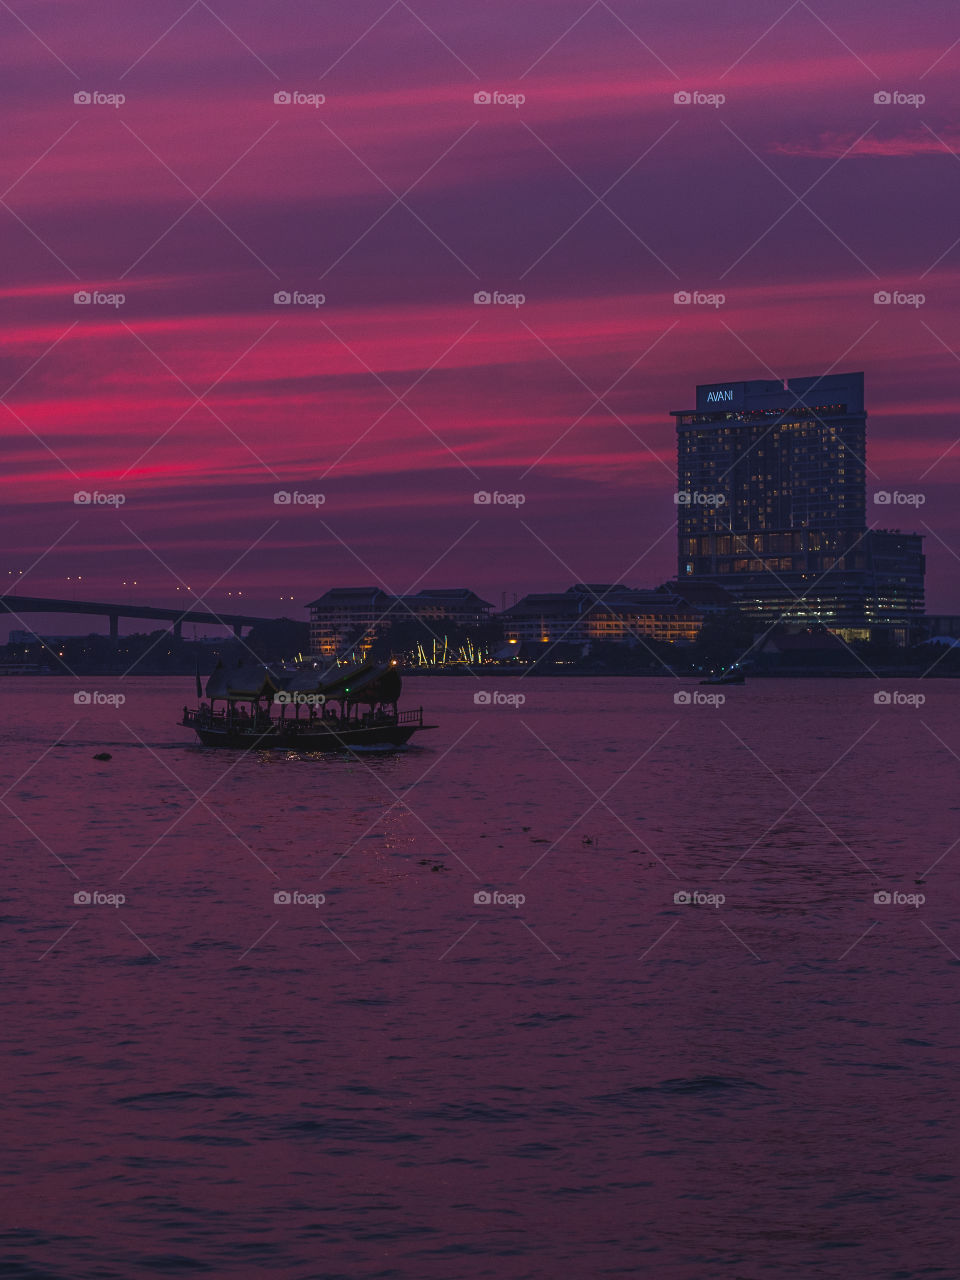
pixel 332 738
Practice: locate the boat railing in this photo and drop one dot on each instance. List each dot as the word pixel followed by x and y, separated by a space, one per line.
pixel 204 716
pixel 411 717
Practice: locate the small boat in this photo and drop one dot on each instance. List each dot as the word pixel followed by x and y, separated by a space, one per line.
pixel 732 676
pixel 269 709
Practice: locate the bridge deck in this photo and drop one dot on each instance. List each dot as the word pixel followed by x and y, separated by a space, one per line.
pixel 18 604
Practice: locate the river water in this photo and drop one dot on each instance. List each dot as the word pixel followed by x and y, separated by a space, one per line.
pixel 592 984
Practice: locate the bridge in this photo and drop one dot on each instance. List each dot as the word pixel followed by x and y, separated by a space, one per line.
pixel 12 604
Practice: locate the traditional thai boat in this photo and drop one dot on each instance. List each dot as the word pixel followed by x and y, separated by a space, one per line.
pixel 263 708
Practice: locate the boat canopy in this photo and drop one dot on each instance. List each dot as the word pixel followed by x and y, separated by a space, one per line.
pixel 335 679
pixel 243 683
pixel 303 680
pixel 378 684
pixel 365 682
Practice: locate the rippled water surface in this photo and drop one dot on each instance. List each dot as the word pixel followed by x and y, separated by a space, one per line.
pixel 403 1081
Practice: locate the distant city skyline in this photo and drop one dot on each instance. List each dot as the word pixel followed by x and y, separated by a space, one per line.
pixel 185 382
pixel 808 432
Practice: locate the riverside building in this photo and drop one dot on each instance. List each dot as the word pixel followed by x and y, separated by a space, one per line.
pixel 772 506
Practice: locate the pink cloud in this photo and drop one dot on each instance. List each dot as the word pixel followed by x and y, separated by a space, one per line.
pixel 913 143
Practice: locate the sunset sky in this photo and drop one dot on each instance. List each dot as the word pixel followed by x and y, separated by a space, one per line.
pixel 797 198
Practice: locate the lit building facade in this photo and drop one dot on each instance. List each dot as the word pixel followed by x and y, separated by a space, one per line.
pixel 771 505
pixel 596 611
pixel 349 619
pixel 896 599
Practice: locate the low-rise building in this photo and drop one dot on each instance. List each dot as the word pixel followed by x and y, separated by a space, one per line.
pixel 350 618
pixel 600 611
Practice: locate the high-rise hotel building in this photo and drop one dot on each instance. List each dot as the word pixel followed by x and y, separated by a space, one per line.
pixel 772 506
